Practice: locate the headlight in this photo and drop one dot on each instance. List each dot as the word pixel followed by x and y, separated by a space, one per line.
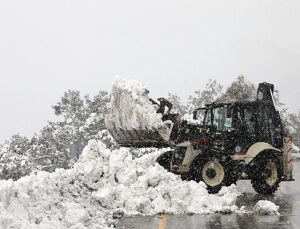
pixel 238 149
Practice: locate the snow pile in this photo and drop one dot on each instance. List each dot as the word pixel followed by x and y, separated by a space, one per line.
pixel 131 107
pixel 265 207
pixel 141 186
pixel 58 200
pixel 104 184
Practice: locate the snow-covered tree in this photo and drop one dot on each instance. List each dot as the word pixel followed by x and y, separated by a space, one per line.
pixel 292 124
pixel 50 149
pixel 209 94
pixel 240 90
pixel 97 108
pixel 15 158
pixel 280 106
pixel 178 106
pixel 71 107
pixel 81 119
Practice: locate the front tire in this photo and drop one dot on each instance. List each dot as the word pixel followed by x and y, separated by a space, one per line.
pixel 266 174
pixel 215 171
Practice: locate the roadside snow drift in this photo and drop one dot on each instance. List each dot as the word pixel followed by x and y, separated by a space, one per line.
pixel 265 207
pixel 104 183
pixel 45 200
pixel 131 107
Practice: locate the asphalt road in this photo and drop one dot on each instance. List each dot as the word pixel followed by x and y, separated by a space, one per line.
pixel 287 197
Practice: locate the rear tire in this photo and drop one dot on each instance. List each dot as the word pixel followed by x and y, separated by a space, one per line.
pixel 266 174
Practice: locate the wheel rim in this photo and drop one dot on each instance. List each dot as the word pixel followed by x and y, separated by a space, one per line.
pixel 213 173
pixel 273 174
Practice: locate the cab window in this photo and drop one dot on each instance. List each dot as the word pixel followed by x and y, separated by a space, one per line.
pixel 222 118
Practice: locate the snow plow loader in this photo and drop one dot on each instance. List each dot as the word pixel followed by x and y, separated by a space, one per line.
pixel 231 141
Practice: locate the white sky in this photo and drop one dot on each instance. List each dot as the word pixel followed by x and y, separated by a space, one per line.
pixel 47 47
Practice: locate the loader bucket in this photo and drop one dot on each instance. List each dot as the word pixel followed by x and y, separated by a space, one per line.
pixel 135 120
pixel 140 138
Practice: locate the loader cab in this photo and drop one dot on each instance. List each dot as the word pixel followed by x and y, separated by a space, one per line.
pixel 260 122
pixel 220 118
pixel 217 116
pixel 244 123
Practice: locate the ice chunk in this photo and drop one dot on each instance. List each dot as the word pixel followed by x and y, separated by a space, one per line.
pixel 265 207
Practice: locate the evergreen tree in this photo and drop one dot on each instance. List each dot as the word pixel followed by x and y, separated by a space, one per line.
pixel 50 149
pixel 15 158
pixel 57 143
pixel 209 94
pixel 292 124
pixel 97 108
pixel 178 107
pixel 240 90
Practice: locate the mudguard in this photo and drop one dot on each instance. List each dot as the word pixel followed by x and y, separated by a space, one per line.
pixel 256 149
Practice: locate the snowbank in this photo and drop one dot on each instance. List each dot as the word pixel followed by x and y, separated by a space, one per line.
pixel 104 183
pixel 131 107
pixel 141 186
pixel 265 207
pixel 46 200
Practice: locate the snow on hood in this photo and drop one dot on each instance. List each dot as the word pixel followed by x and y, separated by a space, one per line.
pixel 131 107
pixel 104 182
pixel 265 207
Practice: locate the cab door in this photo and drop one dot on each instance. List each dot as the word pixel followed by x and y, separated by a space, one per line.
pixel 245 124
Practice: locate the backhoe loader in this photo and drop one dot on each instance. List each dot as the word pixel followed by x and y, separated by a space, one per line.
pixel 231 141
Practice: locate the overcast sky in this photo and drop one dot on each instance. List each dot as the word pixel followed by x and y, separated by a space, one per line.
pixel 47 47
